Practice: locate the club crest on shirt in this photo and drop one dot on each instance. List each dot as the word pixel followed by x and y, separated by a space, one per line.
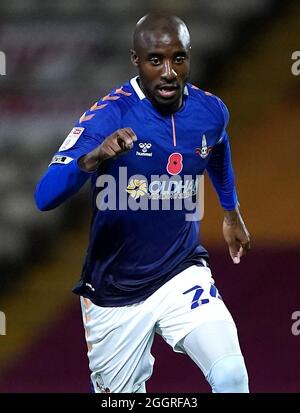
pixel 204 150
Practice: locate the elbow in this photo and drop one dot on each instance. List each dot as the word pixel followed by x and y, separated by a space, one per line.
pixel 42 207
pixel 41 201
pixel 41 204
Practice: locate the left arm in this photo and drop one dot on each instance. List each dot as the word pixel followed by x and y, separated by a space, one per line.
pixel 221 174
pixel 236 234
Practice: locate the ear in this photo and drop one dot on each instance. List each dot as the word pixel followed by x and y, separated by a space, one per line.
pixel 134 58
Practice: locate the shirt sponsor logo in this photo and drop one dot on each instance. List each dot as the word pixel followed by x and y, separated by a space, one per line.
pixel 71 139
pixel 156 192
pixel 163 189
pixel 144 149
pixel 137 188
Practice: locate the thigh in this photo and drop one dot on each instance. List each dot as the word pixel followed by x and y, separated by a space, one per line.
pixel 211 342
pixel 119 343
pixel 191 299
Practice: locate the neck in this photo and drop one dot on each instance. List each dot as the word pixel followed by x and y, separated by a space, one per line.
pixel 168 109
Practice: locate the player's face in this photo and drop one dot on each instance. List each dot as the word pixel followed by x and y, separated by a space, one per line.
pixel 163 61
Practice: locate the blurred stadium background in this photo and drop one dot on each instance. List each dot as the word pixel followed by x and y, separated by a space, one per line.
pixel 62 55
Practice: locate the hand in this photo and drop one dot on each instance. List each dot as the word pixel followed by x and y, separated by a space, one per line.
pixel 236 235
pixel 116 144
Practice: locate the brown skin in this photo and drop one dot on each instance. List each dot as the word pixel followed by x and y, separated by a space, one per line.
pixel 162 55
pixel 163 62
pixel 116 144
pixel 236 235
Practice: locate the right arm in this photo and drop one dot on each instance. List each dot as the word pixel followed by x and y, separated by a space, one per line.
pixel 66 174
pixel 59 183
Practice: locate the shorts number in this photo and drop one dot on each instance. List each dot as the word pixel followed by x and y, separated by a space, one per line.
pixel 196 302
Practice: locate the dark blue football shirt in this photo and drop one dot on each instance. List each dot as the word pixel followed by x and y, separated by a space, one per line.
pixel 144 227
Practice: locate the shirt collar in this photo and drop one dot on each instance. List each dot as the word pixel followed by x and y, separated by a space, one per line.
pixel 140 93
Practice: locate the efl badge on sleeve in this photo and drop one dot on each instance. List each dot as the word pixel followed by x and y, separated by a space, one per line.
pixel 71 139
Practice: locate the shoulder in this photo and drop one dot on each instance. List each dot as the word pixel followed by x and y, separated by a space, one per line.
pixel 209 101
pixel 110 108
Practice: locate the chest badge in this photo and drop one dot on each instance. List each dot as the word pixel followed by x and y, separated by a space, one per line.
pixel 175 163
pixel 145 149
pixel 204 150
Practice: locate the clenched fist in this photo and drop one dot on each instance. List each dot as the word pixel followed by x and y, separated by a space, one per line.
pixel 118 143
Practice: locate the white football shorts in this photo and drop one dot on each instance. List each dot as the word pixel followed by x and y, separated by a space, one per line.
pixel 119 339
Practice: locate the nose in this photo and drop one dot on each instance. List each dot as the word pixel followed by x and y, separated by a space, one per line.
pixel 168 72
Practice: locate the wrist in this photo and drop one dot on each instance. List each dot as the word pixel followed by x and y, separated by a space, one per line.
pixel 89 162
pixel 232 216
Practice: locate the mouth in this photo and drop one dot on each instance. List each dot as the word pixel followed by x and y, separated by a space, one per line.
pixel 167 91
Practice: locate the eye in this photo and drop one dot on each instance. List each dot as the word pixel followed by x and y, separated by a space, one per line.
pixel 155 60
pixel 179 59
